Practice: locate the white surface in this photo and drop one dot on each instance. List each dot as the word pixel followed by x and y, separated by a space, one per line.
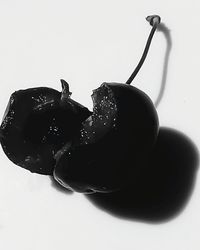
pixel 86 43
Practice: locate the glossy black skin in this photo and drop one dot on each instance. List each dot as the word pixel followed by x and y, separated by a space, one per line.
pixel 107 164
pixel 37 123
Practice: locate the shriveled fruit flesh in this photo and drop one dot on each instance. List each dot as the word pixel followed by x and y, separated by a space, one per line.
pixel 113 142
pixel 37 123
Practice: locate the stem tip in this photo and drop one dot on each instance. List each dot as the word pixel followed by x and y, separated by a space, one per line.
pixel 153 19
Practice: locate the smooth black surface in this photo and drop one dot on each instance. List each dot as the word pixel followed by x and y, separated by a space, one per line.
pixel 102 164
pixel 163 189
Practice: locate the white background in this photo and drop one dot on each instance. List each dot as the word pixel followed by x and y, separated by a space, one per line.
pixel 89 42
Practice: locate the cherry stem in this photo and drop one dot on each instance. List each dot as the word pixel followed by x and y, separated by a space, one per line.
pixel 154 21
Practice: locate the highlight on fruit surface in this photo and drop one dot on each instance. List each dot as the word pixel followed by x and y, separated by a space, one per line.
pixel 115 140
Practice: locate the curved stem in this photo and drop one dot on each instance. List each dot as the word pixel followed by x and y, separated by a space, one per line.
pixel 154 21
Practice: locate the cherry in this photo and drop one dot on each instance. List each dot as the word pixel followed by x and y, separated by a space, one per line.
pixel 114 141
pixel 37 123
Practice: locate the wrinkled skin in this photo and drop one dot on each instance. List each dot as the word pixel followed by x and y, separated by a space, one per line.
pixel 37 123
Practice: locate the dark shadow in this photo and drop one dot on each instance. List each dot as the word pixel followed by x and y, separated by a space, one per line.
pixel 167 35
pixel 163 189
pixel 58 187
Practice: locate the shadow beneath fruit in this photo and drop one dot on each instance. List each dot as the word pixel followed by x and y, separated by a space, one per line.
pixel 162 28
pixel 163 189
pixel 58 187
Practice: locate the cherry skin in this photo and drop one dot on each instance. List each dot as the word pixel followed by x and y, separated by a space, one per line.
pixel 114 141
pixel 37 123
pixel 119 134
